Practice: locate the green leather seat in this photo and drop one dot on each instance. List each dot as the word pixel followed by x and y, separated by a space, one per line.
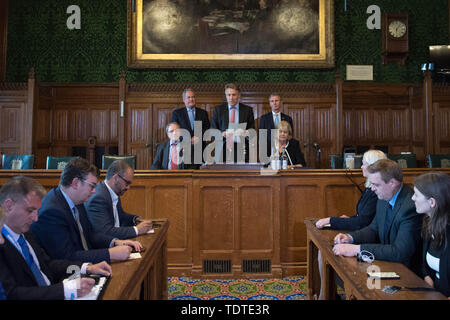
pixel 57 162
pixel 407 160
pixel 108 159
pixel 18 161
pixel 438 160
pixel 336 161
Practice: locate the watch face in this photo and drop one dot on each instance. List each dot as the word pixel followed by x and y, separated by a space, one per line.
pixel 397 29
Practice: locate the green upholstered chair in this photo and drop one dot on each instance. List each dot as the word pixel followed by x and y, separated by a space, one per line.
pixel 407 160
pixel 57 162
pixel 108 159
pixel 18 161
pixel 438 160
pixel 336 161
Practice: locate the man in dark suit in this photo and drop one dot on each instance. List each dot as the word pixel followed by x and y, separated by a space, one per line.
pixel 232 114
pixel 26 272
pixel 190 117
pixel 171 149
pixel 271 119
pixel 394 234
pixel 104 208
pixel 64 229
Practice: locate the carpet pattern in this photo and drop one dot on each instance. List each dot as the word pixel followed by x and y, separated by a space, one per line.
pixel 290 288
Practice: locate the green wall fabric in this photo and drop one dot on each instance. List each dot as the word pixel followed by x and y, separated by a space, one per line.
pixel 38 36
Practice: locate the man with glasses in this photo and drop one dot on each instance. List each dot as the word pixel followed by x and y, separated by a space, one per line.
pixel 104 208
pixel 64 229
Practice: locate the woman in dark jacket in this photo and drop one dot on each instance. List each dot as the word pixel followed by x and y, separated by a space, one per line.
pixel 367 204
pixel 285 140
pixel 432 198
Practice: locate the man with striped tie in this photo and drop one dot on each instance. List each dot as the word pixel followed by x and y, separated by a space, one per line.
pixel 26 272
pixel 64 229
pixel 169 155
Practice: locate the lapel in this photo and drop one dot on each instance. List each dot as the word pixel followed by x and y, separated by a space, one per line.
pixel 105 190
pixel 165 163
pixel 187 122
pixel 395 210
pixel 67 211
pixel 272 124
pixel 225 116
pixel 19 261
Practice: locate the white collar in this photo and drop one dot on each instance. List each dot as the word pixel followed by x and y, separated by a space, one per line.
pixel 114 196
pixel 14 235
pixel 69 201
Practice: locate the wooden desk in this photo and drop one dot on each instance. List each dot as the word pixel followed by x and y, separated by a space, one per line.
pixel 151 269
pixel 354 273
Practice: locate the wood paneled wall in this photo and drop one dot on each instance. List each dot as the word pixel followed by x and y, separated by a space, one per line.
pixel 401 117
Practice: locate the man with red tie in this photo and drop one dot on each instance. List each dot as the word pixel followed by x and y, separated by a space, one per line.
pixel 169 155
pixel 233 119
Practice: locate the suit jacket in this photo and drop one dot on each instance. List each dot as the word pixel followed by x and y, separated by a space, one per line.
pixel 266 121
pixel 295 152
pixel 18 280
pixel 365 211
pixel 402 241
pixel 182 118
pixel 101 215
pixel 220 119
pixel 58 232
pixel 161 161
pixel 443 283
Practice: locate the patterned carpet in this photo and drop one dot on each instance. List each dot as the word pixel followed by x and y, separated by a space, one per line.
pixel 291 288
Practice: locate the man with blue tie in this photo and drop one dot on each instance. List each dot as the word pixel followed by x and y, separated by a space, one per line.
pixel 26 272
pixel 394 234
pixel 233 115
pixel 187 117
pixel 271 119
pixel 64 229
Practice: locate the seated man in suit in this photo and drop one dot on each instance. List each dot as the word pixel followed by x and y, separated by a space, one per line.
pixel 236 114
pixel 26 272
pixel 2 241
pixel 271 119
pixel 394 233
pixel 64 229
pixel 170 150
pixel 190 118
pixel 104 208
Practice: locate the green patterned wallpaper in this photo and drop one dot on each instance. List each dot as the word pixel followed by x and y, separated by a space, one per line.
pixel 38 36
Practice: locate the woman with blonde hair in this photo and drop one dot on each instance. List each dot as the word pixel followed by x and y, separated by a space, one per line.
pixel 366 206
pixel 291 145
pixel 432 198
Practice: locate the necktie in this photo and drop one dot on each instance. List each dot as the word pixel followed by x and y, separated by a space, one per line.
pixel 80 229
pixel 173 157
pixel 388 221
pixel 2 293
pixel 230 139
pixel 31 263
pixel 276 120
pixel 233 114
pixel 191 117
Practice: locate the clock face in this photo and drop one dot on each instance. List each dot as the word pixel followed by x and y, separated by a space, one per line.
pixel 397 29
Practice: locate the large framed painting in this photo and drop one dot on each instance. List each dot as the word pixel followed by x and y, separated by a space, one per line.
pixel 230 33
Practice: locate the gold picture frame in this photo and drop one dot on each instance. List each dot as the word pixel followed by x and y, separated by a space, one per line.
pixel 189 34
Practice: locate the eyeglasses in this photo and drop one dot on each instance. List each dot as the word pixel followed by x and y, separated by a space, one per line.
pixel 126 181
pixel 91 184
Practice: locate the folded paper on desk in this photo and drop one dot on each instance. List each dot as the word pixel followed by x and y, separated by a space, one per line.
pixel 383 275
pixel 135 255
pixel 151 231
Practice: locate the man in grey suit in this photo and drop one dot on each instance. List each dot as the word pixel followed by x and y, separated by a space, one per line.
pixel 233 113
pixel 394 234
pixel 104 208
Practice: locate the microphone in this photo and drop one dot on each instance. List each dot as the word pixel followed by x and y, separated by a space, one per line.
pixel 287 153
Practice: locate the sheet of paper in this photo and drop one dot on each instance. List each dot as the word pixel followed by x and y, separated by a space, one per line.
pixel 135 255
